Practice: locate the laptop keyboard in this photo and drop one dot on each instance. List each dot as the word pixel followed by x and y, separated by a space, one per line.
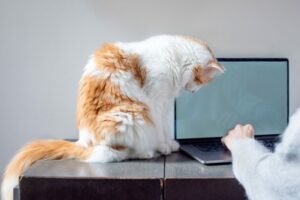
pixel 207 147
pixel 217 146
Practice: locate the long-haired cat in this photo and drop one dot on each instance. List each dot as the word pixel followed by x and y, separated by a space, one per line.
pixel 125 98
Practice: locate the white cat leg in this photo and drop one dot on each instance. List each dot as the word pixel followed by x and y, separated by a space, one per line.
pixel 164 149
pixel 168 134
pixel 85 138
pixel 174 145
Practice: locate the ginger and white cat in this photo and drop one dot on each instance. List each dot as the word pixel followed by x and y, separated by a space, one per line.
pixel 126 95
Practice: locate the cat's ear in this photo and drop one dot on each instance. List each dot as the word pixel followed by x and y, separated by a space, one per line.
pixel 212 69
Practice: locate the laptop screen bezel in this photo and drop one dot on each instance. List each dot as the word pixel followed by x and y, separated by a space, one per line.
pixel 239 60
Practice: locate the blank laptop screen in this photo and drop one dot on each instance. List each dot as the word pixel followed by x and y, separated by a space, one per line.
pixel 254 92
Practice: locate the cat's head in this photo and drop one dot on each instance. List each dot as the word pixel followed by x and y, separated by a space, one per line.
pixel 197 76
pixel 199 65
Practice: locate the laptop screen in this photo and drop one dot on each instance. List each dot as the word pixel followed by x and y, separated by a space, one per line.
pixel 250 91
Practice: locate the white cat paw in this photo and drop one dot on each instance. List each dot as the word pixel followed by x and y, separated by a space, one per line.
pixel 147 155
pixel 164 149
pixel 174 145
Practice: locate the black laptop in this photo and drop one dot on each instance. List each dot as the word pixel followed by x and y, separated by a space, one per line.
pixel 251 91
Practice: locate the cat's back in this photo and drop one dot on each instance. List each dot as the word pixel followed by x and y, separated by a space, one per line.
pixel 128 62
pixel 155 42
pixel 111 69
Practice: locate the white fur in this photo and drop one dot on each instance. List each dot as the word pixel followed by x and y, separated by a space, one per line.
pixel 85 137
pixel 7 188
pixel 266 175
pixel 103 153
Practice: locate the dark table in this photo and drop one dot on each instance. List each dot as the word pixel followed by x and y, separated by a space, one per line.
pixel 173 177
pixel 186 178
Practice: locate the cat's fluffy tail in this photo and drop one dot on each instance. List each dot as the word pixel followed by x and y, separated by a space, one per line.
pixel 39 150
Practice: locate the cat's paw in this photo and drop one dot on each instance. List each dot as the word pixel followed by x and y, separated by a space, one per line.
pixel 164 149
pixel 146 155
pixel 174 145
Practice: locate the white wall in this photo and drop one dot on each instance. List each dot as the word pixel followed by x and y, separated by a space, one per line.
pixel 45 44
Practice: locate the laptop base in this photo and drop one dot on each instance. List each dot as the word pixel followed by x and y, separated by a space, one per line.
pixel 207 157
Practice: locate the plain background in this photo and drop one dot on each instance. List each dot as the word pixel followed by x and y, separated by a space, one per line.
pixel 45 44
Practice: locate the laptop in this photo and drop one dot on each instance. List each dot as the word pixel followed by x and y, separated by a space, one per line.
pixel 251 90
